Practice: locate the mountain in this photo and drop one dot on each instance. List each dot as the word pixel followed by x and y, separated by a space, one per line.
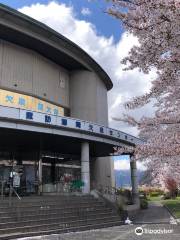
pixel 123 177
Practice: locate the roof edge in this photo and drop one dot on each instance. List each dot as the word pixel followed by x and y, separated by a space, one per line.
pixel 95 66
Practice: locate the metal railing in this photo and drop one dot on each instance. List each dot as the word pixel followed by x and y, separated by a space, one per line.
pixel 11 191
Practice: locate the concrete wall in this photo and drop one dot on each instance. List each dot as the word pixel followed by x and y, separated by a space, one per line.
pixel 102 172
pixel 88 101
pixel 88 97
pixel 26 71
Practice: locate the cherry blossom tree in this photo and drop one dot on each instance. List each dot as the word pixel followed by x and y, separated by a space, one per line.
pixel 156 25
pixel 162 169
pixel 171 185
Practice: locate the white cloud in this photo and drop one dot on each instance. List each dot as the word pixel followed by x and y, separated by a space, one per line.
pixel 86 11
pixel 125 165
pixel 106 52
pixel 121 165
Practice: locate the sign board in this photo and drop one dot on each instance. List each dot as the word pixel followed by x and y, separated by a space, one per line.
pixel 66 122
pixel 17 100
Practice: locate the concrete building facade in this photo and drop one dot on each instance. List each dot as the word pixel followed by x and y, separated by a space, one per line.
pixel 53 109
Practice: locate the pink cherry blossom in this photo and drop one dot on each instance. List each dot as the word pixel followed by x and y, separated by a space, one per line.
pixel 156 24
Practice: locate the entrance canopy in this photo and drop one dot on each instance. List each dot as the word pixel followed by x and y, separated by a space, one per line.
pixel 29 142
pixel 28 130
pixel 33 138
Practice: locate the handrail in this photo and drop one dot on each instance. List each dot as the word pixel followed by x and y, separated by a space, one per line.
pixel 11 187
pixel 10 194
pixel 16 193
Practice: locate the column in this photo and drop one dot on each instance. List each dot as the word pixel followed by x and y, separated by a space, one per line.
pixel 134 180
pixel 85 172
pixel 40 176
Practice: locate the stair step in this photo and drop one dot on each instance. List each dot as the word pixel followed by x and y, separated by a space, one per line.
pixel 33 216
pixel 48 198
pixel 48 204
pixel 51 201
pixel 53 210
pixel 51 226
pixel 56 214
pixel 61 230
pixel 55 220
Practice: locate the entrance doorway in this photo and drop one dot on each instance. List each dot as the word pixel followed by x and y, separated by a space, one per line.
pixel 60 174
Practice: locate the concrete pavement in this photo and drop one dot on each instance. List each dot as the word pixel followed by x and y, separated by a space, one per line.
pixel 151 232
pixel 155 213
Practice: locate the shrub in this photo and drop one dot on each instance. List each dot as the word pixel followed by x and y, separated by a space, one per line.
pixel 167 196
pixel 126 194
pixel 120 210
pixel 142 195
pixel 149 190
pixel 143 203
pixel 120 191
pixel 159 191
pixel 154 194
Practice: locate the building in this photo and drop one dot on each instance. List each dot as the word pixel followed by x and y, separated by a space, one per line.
pixel 53 110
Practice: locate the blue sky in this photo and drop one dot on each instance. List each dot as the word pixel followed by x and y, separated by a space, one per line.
pixel 105 24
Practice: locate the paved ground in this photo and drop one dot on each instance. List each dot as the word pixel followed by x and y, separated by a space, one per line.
pixel 159 229
pixel 155 213
pixel 161 232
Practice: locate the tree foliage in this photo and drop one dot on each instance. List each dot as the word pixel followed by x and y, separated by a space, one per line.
pixel 156 24
pixel 171 185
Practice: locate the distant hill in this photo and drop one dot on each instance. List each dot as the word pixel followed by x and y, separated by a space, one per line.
pixel 123 177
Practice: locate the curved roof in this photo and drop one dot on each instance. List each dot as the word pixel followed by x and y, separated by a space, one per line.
pixel 27 32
